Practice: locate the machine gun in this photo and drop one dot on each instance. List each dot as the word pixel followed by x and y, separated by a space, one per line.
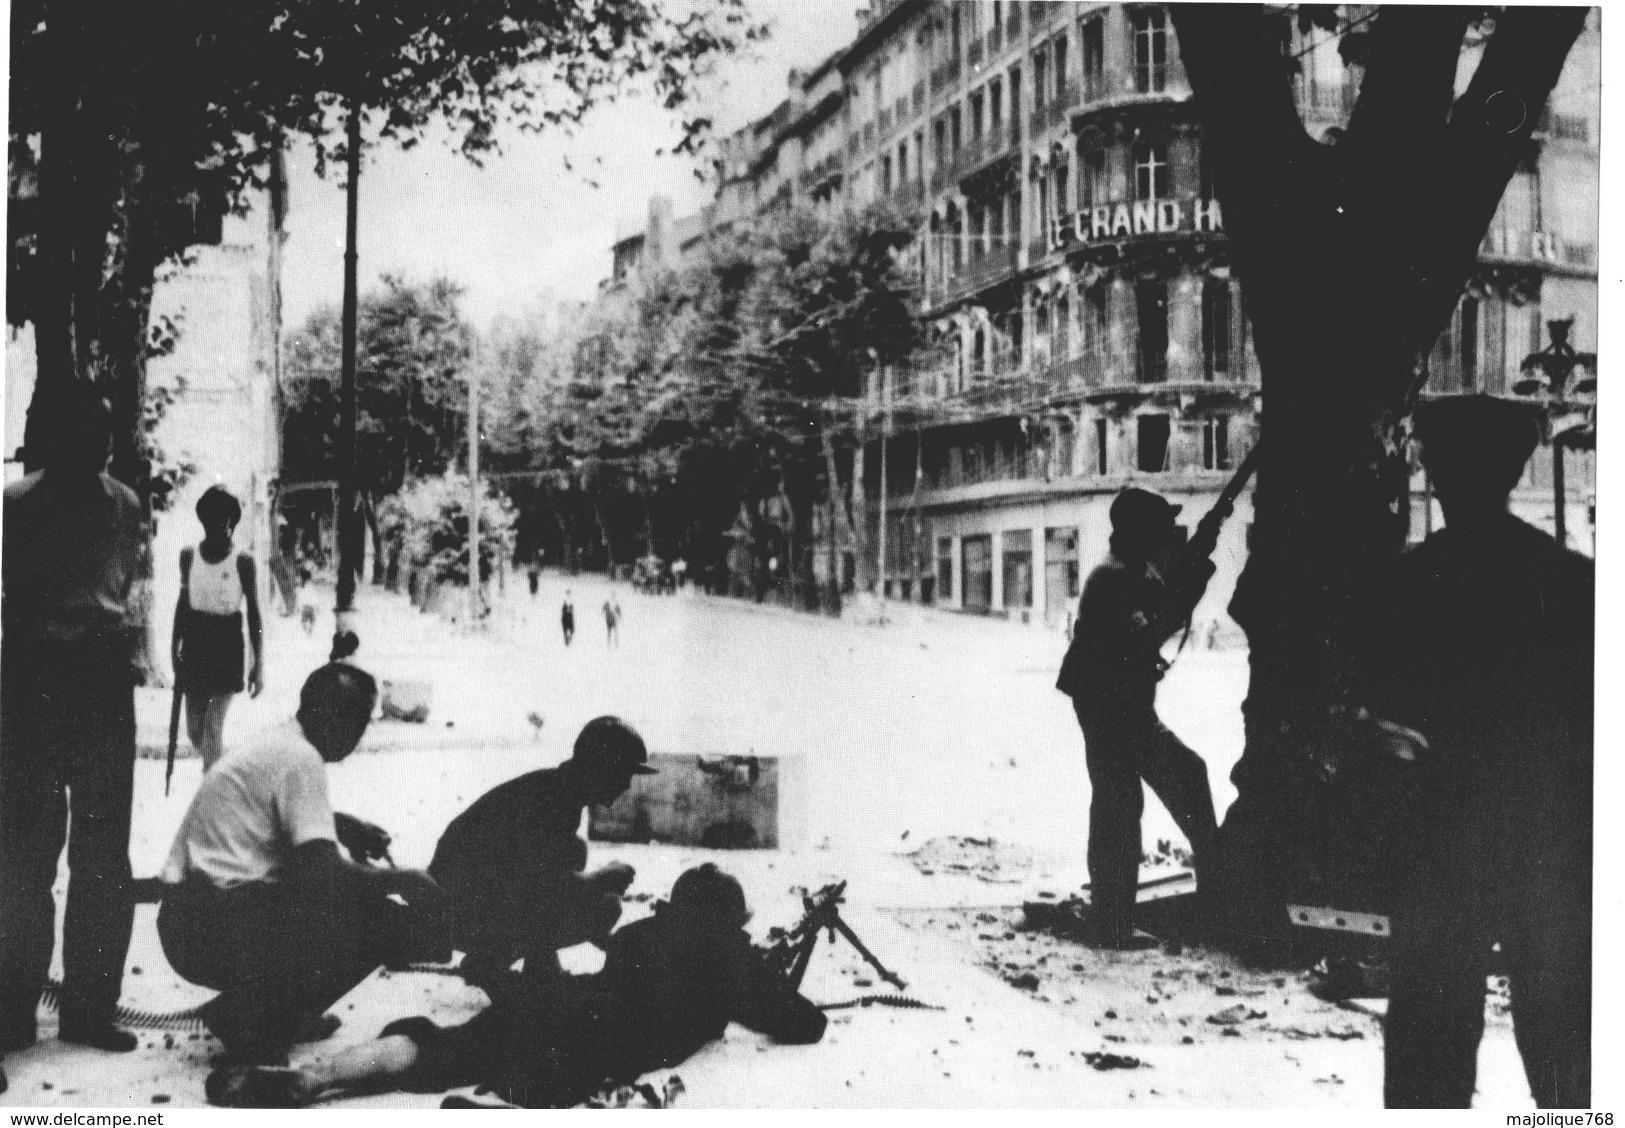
pixel 790 951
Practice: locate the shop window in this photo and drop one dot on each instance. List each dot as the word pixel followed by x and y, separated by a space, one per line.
pixel 978 573
pixel 1151 171
pixel 1150 51
pixel 1017 546
pixel 1216 328
pixel 1151 306
pixel 1152 454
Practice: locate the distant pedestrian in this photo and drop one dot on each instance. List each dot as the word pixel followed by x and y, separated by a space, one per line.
pixel 533 573
pixel 217 584
pixel 612 620
pixel 75 544
pixel 307 603
pixel 567 617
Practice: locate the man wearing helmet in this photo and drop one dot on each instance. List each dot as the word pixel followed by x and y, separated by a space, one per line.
pixel 1131 604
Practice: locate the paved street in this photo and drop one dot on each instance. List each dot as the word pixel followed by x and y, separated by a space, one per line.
pixel 925 732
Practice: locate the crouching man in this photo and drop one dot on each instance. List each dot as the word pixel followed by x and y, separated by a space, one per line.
pixel 670 984
pixel 514 868
pixel 259 905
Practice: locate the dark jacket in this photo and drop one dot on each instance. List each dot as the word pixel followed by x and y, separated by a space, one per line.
pixel 524 829
pixel 1125 614
pixel 1484 644
pixel 664 992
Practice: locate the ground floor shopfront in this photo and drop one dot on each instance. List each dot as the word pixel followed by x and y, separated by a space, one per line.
pixel 1021 550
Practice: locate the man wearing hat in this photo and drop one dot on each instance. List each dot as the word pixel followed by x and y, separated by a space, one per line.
pixel 1132 603
pixel 513 866
pixel 1483 645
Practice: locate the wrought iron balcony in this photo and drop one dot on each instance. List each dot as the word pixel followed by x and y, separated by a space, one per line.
pixel 1539 248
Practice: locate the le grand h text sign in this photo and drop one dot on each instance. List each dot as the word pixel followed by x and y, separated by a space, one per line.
pixel 1141 217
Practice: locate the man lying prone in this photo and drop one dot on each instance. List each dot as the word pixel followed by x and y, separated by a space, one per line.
pixel 670 984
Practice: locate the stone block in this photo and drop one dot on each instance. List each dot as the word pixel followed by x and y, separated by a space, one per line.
pixel 716 801
pixel 406 700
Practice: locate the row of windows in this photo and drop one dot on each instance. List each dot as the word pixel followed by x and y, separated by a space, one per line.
pixel 1156 449
pixel 1059 338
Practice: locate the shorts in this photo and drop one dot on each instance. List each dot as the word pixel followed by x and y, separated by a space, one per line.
pixel 211 654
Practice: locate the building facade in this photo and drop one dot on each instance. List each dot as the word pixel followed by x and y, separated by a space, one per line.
pixel 1073 265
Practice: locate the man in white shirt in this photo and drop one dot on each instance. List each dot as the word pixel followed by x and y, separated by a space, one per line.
pixel 258 902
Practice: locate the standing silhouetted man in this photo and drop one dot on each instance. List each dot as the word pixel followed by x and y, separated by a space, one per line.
pixel 1131 605
pixel 74 546
pixel 1483 644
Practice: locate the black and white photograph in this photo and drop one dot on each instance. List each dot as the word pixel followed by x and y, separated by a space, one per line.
pixel 802 554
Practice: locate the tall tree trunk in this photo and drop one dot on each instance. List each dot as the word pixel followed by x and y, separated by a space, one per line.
pixel 840 517
pixel 865 567
pixel 1351 259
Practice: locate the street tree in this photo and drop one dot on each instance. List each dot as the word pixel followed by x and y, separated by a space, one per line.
pixel 412 367
pixel 1352 254
pixel 130 121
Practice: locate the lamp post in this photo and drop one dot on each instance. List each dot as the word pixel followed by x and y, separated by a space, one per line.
pixel 349 530
pixel 1546 375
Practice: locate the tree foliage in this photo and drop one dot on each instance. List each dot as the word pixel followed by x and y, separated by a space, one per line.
pixel 694 412
pixel 130 121
pixel 413 359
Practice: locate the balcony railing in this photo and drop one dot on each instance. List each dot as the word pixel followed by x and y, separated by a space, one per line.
pixel 1537 247
pixel 1324 99
pixel 1080 371
pixel 984 270
pixel 983 151
pixel 818 173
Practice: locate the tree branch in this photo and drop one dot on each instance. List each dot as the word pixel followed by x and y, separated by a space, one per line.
pixel 1409 83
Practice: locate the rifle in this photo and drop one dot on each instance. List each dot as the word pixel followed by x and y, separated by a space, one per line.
pixel 789 952
pixel 1199 549
pixel 174 733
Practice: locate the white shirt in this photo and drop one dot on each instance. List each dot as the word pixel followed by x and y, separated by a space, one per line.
pixel 253 808
pixel 215 589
